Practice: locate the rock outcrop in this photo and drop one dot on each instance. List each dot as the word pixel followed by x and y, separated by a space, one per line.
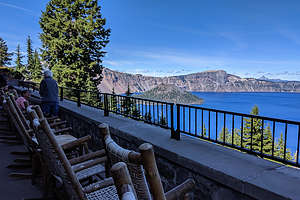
pixel 208 81
pixel 171 93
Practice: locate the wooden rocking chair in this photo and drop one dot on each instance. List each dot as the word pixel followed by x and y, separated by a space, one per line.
pixel 143 170
pixel 87 164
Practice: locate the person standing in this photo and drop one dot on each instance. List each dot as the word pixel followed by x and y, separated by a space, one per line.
pixel 49 94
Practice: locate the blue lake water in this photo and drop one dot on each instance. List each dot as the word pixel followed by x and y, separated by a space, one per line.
pixel 276 105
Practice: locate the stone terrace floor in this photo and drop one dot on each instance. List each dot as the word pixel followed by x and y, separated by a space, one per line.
pixel 14 188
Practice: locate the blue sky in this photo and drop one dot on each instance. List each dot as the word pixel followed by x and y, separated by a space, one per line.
pixel 249 38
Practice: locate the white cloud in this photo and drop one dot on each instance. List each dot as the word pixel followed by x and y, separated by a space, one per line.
pixel 30 12
pixel 169 62
pixel 291 35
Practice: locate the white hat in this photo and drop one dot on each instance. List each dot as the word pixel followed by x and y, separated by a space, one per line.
pixel 48 73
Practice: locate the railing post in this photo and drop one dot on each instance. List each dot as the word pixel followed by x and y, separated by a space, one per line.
pixel 176 135
pixel 106 111
pixel 172 121
pixel 61 93
pixel 78 98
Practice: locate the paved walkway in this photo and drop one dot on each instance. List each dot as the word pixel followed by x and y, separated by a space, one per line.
pixel 13 188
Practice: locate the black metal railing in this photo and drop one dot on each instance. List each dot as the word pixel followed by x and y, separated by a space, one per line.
pixel 271 138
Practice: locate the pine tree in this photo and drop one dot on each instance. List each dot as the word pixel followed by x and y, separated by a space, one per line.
pixel 148 117
pixel 204 134
pixel 113 101
pixel 5 56
pixel 36 73
pixel 135 111
pixel 279 149
pixel 255 131
pixel 19 65
pixel 30 61
pixel 162 119
pixel 295 156
pixel 73 39
pixel 267 140
pixel 228 136
pixel 129 107
pixel 259 133
pixel 127 103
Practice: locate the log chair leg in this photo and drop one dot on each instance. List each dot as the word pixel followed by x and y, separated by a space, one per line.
pixel 20 175
pixel 20 153
pixel 22 160
pixel 11 142
pixel 9 137
pixel 18 166
pixel 36 166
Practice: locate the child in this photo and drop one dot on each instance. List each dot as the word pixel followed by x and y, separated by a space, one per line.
pixel 25 97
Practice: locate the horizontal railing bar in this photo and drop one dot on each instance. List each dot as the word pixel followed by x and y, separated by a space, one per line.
pixel 275 158
pixel 241 114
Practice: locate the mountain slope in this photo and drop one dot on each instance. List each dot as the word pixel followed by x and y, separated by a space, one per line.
pixel 208 81
pixel 170 93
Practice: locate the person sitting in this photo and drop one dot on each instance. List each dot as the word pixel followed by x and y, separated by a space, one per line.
pixel 25 97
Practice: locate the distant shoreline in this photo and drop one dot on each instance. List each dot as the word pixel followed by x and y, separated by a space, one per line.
pixel 245 92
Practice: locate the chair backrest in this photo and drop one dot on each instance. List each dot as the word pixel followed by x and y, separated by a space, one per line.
pixel 19 125
pixel 33 118
pixel 20 113
pixel 15 93
pixel 142 166
pixel 123 181
pixel 39 111
pixel 58 163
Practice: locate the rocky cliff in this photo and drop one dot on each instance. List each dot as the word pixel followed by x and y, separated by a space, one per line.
pixel 208 81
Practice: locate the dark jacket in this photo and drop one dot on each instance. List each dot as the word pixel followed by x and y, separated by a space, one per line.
pixel 3 81
pixel 49 90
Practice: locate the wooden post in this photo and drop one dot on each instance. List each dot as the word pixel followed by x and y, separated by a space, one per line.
pixel 104 130
pixel 151 171
pixel 122 178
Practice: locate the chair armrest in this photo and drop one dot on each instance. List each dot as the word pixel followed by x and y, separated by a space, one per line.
pixel 51 119
pixel 180 190
pixel 89 164
pixel 59 123
pixel 88 156
pixel 76 143
pixel 59 131
pixel 99 185
pixel 30 130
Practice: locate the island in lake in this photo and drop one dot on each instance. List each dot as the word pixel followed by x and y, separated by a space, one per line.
pixel 171 93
